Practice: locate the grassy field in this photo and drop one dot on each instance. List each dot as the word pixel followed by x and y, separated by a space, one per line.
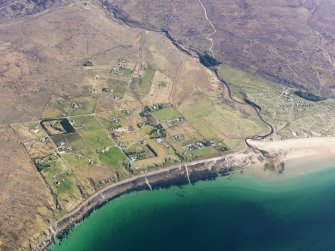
pixel 118 87
pixel 92 133
pixel 244 83
pixel 214 121
pixel 168 113
pixel 164 155
pixel 146 80
pixel 77 159
pixel 114 119
pixel 290 115
pixel 204 152
pixel 158 60
pixel 113 158
pixel 61 181
pixel 101 148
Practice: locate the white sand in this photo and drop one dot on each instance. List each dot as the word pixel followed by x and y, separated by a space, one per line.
pixel 300 148
pixel 303 155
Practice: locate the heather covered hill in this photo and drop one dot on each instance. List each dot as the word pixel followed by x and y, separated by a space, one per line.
pixel 291 42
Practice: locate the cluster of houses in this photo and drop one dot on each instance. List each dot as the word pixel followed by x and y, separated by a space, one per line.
pixel 147 116
pixel 156 107
pixel 61 148
pixel 198 145
pixel 260 96
pixel 301 102
pixel 121 64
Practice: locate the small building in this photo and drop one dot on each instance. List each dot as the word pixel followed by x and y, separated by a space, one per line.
pixel 44 139
pixel 76 106
pixel 34 131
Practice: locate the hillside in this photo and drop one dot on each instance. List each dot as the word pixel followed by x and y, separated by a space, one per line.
pixel 290 42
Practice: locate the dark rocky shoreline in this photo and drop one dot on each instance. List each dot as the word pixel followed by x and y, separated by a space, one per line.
pixel 171 176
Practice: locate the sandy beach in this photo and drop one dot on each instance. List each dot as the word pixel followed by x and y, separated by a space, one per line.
pixel 301 155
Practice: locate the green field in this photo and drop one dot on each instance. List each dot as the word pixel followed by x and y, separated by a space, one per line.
pixel 92 133
pixel 168 113
pixel 215 121
pixel 118 87
pixel 94 144
pixel 96 138
pixel 243 83
pixel 110 120
pixel 78 159
pixel 61 180
pixel 146 80
pixel 113 158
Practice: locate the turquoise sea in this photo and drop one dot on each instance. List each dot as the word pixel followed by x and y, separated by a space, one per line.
pixel 239 212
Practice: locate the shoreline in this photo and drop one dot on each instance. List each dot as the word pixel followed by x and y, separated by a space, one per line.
pixel 296 153
pixel 177 175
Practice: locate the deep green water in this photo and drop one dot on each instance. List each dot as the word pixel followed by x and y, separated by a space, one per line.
pixel 241 212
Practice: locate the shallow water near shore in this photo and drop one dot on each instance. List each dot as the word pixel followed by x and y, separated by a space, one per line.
pixel 237 212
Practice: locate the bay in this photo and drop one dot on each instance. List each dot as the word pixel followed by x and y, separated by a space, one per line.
pixel 237 212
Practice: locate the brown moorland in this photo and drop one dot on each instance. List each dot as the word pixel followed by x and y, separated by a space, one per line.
pixel 290 42
pixel 26 206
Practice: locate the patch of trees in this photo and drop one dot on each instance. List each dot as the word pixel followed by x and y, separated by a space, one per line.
pixel 309 96
pixel 157 132
pixel 249 102
pixel 41 166
pixel 88 63
pixel 138 155
pixel 207 60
